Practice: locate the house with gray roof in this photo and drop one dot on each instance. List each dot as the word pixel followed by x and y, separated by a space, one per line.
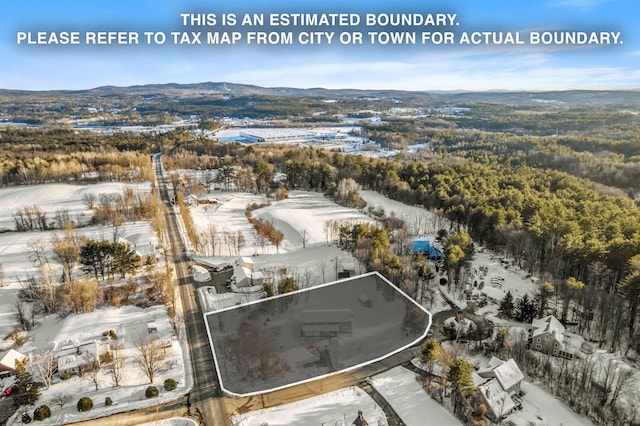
pixel 547 336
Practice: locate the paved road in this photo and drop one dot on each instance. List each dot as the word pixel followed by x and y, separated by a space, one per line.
pixel 204 398
pixel 203 403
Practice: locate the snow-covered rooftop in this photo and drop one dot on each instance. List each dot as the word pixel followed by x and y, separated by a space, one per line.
pixel 508 374
pixel 498 400
pixel 548 324
pixel 8 360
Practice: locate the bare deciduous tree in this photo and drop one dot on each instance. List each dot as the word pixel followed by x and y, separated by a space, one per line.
pixel 176 322
pixel 37 246
pixel 21 316
pixel 90 200
pixel 239 242
pixel 117 366
pixel 81 296
pixel 43 367
pixel 67 250
pixel 61 399
pixel 91 370
pixel 623 376
pixel 304 238
pixel 322 267
pixel 213 238
pixel 63 219
pixel 148 356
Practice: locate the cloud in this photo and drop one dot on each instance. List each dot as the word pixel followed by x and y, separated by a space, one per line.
pixel 533 71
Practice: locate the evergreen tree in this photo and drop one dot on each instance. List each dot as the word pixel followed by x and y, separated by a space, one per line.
pixel 629 288
pixel 25 389
pixel 506 305
pixel 125 259
pixel 526 309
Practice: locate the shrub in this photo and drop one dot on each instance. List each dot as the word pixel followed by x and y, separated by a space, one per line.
pixel 65 376
pixel 151 392
pixel 170 384
pixel 108 402
pixel 282 194
pixel 113 335
pixel 42 412
pixel 85 404
pixel 106 358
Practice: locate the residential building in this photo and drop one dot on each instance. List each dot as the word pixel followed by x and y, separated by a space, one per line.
pixel 499 387
pixel 8 362
pixel 547 336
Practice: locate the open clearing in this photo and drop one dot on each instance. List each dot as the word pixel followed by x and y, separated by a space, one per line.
pixel 313 333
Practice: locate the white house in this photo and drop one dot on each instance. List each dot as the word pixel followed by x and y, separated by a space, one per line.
pixel 72 359
pixel 8 361
pixel 499 387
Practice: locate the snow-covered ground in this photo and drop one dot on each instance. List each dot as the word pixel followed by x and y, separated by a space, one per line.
pixel 338 408
pixel 419 221
pixel 539 408
pixel 174 421
pixel 16 251
pixel 402 389
pixel 53 332
pixel 53 197
pixel 302 213
pixel 130 323
pixel 15 246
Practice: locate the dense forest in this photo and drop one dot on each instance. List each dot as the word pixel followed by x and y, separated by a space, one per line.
pixel 30 156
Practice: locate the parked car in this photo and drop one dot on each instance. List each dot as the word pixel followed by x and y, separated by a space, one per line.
pixel 7 391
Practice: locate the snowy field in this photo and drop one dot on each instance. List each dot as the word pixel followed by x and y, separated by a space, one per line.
pixel 302 212
pixel 307 212
pixel 418 220
pixel 228 215
pixel 53 197
pixel 402 389
pixel 338 408
pixel 15 247
pixel 15 258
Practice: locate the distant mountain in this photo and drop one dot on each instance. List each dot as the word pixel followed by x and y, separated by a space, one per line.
pixel 571 97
